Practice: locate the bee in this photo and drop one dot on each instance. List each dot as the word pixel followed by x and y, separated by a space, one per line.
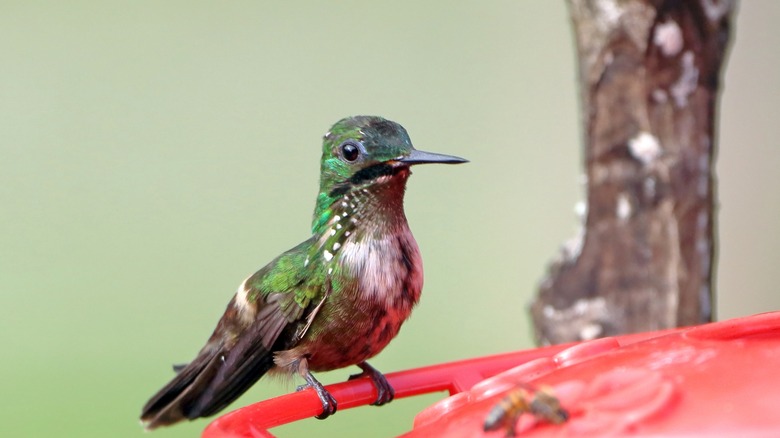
pixel 540 403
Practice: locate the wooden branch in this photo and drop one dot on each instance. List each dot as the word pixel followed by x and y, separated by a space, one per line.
pixel 649 75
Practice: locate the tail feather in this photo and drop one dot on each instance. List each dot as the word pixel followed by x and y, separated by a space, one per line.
pixel 172 403
pixel 247 362
pixel 235 357
pixel 205 386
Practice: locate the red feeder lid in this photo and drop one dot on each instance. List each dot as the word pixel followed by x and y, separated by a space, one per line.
pixel 719 379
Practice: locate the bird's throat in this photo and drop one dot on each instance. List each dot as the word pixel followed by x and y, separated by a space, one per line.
pixel 370 205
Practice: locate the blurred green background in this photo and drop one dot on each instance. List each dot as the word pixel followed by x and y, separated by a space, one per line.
pixel 153 154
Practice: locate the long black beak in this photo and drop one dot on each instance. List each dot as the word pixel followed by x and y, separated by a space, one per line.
pixel 422 157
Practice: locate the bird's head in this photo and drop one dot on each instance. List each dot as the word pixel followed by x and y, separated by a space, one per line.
pixel 365 153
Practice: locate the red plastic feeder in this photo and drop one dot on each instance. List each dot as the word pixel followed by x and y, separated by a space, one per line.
pixel 719 379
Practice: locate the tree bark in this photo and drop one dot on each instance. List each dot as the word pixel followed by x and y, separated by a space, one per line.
pixel 649 75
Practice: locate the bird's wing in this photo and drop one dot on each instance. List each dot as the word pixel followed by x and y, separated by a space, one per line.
pixel 267 314
pixel 284 293
pixel 281 296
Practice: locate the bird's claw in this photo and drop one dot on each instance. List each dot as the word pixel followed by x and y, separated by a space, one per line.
pixel 329 404
pixel 385 392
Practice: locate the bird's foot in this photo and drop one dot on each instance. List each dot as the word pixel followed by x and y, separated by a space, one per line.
pixel 329 404
pixel 385 392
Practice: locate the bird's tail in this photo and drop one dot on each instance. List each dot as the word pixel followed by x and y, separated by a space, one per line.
pixel 205 386
pixel 175 400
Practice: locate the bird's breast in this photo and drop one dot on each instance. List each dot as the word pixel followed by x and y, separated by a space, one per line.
pixel 374 291
pixel 386 269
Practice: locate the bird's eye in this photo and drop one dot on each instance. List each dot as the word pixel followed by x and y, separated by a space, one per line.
pixel 350 151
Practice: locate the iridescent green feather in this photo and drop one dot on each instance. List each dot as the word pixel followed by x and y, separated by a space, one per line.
pixel 285 275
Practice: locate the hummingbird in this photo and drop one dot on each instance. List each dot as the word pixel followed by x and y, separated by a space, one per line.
pixel 333 301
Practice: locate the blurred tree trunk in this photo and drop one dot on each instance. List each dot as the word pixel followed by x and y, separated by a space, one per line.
pixel 649 76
